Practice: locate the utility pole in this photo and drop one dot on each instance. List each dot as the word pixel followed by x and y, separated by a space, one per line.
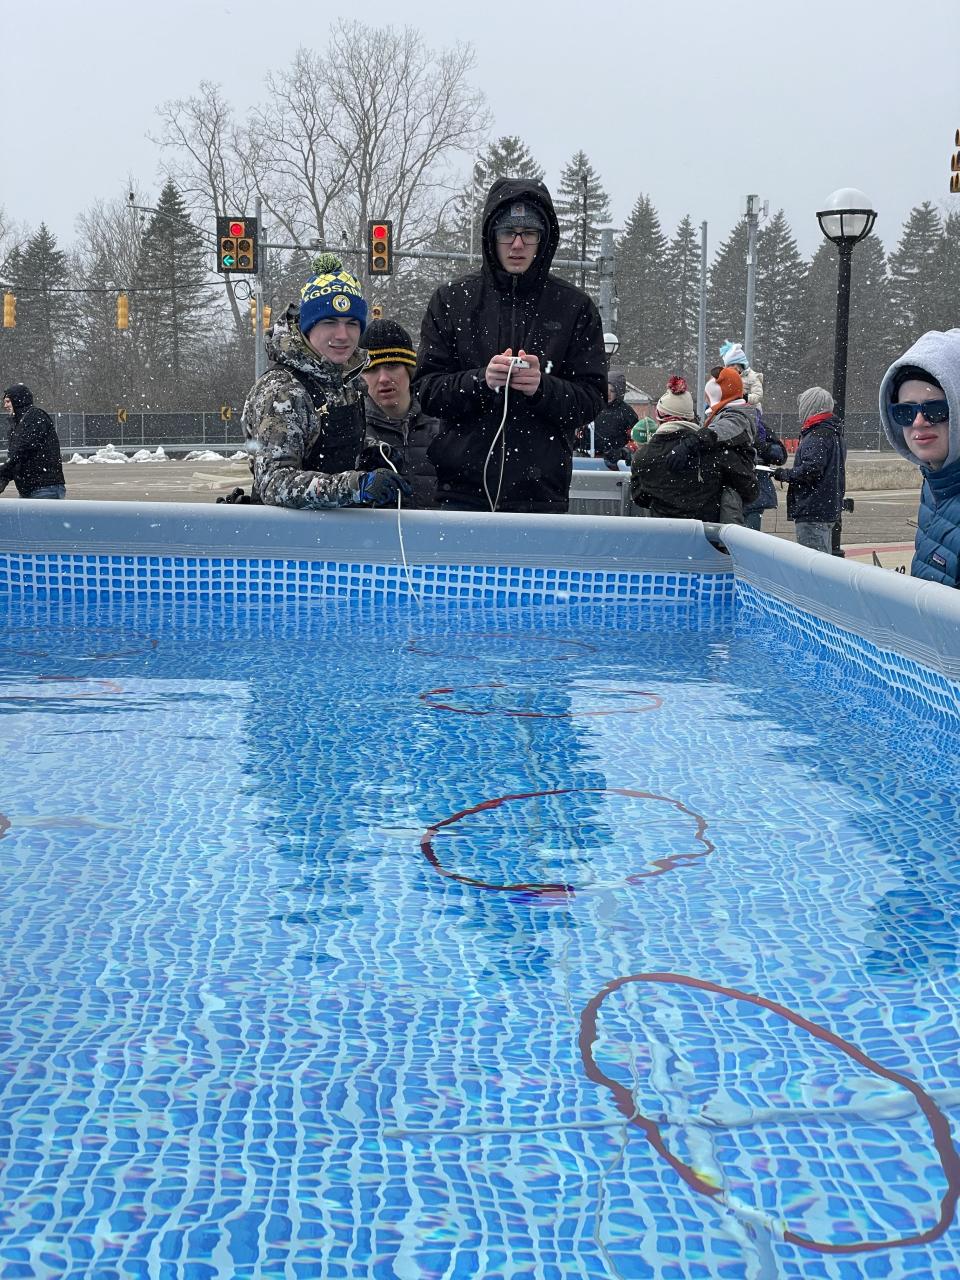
pixel 702 323
pixel 607 266
pixel 259 349
pixel 753 213
pixel 753 220
pixel 583 229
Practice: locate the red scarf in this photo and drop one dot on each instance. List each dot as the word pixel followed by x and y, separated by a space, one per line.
pixel 817 417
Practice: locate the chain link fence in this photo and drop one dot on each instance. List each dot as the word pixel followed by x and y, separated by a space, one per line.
pixel 862 430
pixel 148 430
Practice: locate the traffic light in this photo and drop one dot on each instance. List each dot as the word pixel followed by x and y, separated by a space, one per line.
pixel 376 312
pixel 237 245
pixel 253 316
pixel 9 310
pixel 380 247
pixel 123 311
pixel 267 313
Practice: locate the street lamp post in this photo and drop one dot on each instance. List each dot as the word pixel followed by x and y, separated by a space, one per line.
pixel 847 219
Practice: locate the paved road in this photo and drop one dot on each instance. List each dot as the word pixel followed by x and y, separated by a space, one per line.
pixel 881 519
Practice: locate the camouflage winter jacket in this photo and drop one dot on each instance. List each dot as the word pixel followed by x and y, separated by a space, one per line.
pixel 303 423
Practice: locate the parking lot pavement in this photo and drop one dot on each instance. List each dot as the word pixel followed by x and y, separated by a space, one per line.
pixel 151 481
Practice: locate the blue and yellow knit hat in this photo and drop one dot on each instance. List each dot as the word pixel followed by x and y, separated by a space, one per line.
pixel 332 294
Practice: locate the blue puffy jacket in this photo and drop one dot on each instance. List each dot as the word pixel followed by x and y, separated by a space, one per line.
pixel 937 553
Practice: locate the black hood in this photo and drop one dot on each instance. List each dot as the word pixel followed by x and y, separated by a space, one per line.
pixel 503 192
pixel 21 398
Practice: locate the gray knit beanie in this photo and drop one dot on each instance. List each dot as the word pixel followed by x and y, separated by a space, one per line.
pixel 813 401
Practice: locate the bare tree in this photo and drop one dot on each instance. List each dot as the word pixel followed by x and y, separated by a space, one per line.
pixel 206 163
pixel 371 133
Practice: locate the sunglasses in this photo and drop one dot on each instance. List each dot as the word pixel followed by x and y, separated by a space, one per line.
pixel 934 411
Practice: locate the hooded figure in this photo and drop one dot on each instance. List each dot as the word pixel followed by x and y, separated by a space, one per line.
pixel 512 305
pixel 303 419
pixel 34 463
pixel 817 478
pixel 927 378
pixel 612 426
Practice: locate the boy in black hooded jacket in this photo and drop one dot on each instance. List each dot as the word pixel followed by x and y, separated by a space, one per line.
pixel 472 328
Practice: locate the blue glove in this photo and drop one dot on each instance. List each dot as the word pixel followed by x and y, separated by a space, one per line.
pixel 382 486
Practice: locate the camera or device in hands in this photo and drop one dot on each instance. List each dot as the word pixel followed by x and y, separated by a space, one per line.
pixel 518 363
pixel 847 504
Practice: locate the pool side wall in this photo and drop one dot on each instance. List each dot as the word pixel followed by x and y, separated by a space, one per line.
pixel 209 552
pixel 901 630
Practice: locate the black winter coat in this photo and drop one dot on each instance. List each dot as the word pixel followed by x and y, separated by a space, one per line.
pixel 680 475
pixel 818 476
pixel 612 427
pixel 408 438
pixel 33 452
pixel 471 320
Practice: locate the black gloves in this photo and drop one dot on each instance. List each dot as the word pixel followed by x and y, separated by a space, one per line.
pixel 382 487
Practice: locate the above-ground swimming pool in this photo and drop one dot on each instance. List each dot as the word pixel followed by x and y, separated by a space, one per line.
pixel 608 933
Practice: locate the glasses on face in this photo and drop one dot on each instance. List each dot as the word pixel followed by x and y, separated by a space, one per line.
pixel 507 235
pixel 934 411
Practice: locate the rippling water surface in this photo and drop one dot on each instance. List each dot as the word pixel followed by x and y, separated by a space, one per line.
pixel 469 944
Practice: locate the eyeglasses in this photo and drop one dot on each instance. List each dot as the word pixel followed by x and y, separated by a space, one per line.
pixel 507 235
pixel 935 412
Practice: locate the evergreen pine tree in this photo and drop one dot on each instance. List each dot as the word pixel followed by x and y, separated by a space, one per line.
pixel 950 272
pixel 642 286
pixel 44 339
pixel 506 157
pixel 870 345
pixel 916 289
pixel 683 291
pixel 727 293
pixel 171 304
pixel 819 317
pixel 104 364
pixel 779 319
pixel 580 196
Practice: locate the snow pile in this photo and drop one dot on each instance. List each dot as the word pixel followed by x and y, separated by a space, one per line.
pixel 109 453
pixel 204 455
pixel 240 456
pixel 78 458
pixel 144 455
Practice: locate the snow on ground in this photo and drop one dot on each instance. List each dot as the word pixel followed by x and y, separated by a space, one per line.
pixel 110 453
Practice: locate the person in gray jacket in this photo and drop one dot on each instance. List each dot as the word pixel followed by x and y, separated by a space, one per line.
pixel 398 431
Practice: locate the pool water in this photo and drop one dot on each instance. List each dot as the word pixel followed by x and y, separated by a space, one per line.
pixel 470 943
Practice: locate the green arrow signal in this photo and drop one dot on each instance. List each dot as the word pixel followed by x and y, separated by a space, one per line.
pixel 229 260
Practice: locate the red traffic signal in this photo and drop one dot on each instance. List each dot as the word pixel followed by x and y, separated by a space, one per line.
pixel 237 245
pixel 380 247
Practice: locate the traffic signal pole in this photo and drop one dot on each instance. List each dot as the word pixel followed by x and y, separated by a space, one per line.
pixel 259 348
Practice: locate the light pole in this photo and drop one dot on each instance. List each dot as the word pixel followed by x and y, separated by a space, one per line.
pixel 611 344
pixel 847 219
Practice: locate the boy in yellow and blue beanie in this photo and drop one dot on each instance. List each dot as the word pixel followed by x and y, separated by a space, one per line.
pixel 332 294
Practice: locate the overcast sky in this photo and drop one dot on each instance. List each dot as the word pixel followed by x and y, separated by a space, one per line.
pixel 690 102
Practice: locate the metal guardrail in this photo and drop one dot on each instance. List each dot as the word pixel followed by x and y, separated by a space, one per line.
pixel 601 493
